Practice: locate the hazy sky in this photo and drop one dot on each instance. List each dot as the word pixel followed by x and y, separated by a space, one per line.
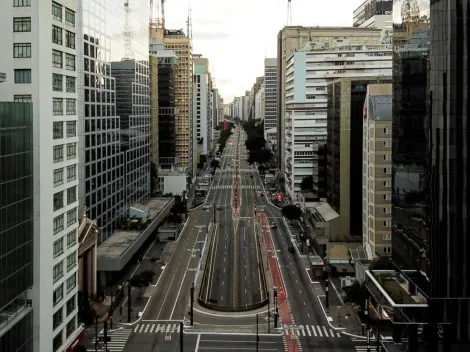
pixel 236 35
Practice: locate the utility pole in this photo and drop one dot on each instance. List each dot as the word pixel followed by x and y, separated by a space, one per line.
pixel 191 312
pixel 214 214
pixel 181 336
pixel 276 312
pixel 366 313
pixel 129 288
pixel 326 291
pixel 257 333
pixel 269 316
pixel 96 333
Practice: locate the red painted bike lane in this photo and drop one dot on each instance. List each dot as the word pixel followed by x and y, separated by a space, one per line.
pixel 291 343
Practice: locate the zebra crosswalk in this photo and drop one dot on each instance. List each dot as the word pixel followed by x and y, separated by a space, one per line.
pixel 241 187
pixel 118 341
pixel 154 328
pixel 312 330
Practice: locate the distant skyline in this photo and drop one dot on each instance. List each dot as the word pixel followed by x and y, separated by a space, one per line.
pixel 237 35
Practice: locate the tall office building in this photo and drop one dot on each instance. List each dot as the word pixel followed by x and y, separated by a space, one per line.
pixel 101 168
pixel 377 171
pixel 270 95
pixel 177 41
pixel 292 38
pixel 42 69
pixel 201 105
pixel 16 226
pixel 307 75
pixel 375 14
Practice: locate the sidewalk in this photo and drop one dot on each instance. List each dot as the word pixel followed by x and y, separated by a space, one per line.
pixel 343 317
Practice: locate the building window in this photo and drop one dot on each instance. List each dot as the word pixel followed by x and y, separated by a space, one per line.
pixel 70 62
pixel 57 319
pixel 387 210
pixel 71 128
pixel 71 305
pixel 58 130
pixel 23 76
pixel 387 144
pixel 71 151
pixel 58 153
pixel 21 50
pixel 58 200
pixel 70 17
pixel 71 195
pixel 57 106
pixel 387 130
pixel 70 107
pixel 58 341
pixel 22 24
pixel 387 197
pixel 21 3
pixel 57 11
pixel 387 236
pixel 70 39
pixel 387 249
pixel 71 282
pixel 70 84
pixel 58 295
pixel 58 177
pixel 71 238
pixel 58 247
pixel 58 223
pixel 387 157
pixel 22 98
pixel 71 173
pixel 57 59
pixel 58 271
pixel 387 170
pixel 387 184
pixel 388 223
pixel 57 35
pixel 71 217
pixel 71 261
pixel 57 84
pixel 70 328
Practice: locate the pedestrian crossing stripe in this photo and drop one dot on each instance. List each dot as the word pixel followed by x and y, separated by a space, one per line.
pixel 241 187
pixel 312 330
pixel 118 340
pixel 157 328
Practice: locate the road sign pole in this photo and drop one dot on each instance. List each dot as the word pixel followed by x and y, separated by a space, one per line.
pixel 181 336
pixel 257 333
pixel 326 292
pixel 96 333
pixel 191 313
pixel 129 298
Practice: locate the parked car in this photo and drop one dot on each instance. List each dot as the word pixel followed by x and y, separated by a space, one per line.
pixel 273 225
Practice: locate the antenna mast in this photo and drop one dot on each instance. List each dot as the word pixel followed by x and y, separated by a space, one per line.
pixel 127 34
pixel 189 22
pixel 157 19
pixel 289 13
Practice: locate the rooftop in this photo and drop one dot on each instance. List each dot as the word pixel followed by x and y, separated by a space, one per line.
pixel 116 251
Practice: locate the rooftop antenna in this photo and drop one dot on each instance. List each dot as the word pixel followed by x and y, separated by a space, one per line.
pixel 189 22
pixel 289 12
pixel 128 55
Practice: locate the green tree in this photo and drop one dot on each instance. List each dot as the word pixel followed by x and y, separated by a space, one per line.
pixel 260 156
pixel 179 208
pixel 175 218
pixel 146 277
pixel 307 183
pixel 356 293
pixel 215 163
pixel 291 212
pixel 136 281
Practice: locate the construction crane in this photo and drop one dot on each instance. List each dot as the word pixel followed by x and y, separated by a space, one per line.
pixel 289 12
pixel 128 55
pixel 157 19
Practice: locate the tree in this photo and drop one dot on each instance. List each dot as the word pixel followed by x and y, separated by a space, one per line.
pixel 175 218
pixel 135 281
pixel 179 208
pixel 215 163
pixel 356 293
pixel 291 212
pixel 146 277
pixel 306 183
pixel 259 156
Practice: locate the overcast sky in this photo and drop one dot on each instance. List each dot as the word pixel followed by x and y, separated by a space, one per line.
pixel 236 35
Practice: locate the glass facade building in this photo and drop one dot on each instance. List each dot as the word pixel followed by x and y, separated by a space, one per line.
pixel 430 161
pixel 16 225
pixel 112 35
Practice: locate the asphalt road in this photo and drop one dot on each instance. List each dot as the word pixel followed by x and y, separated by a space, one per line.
pixel 234 275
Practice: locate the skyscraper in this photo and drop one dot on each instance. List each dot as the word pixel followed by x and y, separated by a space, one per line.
pixel 43 69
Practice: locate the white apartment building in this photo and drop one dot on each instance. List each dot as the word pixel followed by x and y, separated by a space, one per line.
pixel 376 14
pixel 307 74
pixel 259 104
pixel 201 103
pixel 270 94
pixel 42 69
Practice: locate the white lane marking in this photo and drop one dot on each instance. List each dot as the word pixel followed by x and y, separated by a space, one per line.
pixel 177 296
